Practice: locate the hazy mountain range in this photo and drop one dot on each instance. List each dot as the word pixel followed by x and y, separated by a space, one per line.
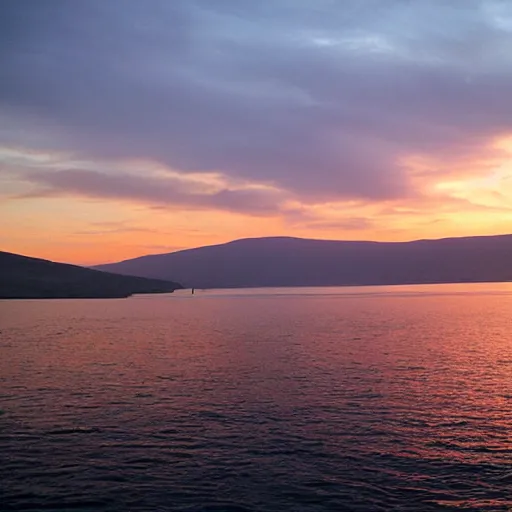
pixel 284 261
pixel 25 278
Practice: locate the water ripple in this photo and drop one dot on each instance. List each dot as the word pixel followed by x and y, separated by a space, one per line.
pixel 308 403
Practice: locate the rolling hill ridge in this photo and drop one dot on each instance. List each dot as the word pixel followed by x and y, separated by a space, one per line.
pixel 22 277
pixel 285 261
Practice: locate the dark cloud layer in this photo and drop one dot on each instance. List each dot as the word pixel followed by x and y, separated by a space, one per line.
pixel 160 191
pixel 322 99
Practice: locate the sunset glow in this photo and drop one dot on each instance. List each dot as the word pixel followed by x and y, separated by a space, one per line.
pixel 187 146
pixel 255 255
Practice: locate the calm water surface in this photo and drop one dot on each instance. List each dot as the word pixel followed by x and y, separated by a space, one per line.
pixel 396 398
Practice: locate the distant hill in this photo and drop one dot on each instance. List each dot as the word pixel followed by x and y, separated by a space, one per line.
pixel 24 278
pixel 283 261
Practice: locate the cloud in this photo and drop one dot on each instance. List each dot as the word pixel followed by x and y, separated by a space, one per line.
pixel 323 100
pixel 164 191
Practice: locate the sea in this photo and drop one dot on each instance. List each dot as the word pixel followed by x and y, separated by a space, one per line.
pixel 391 398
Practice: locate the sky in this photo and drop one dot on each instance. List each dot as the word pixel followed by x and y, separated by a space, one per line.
pixel 133 127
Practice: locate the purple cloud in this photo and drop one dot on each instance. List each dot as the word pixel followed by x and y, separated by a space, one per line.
pixel 153 190
pixel 321 99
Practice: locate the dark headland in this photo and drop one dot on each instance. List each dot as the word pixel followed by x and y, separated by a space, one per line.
pixel 284 261
pixel 22 277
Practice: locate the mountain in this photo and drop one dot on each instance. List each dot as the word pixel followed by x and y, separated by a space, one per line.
pixel 25 278
pixel 283 261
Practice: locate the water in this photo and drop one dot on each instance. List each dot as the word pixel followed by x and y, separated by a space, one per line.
pixel 396 398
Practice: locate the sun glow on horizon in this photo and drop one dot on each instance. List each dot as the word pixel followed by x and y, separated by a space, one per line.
pixel 459 200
